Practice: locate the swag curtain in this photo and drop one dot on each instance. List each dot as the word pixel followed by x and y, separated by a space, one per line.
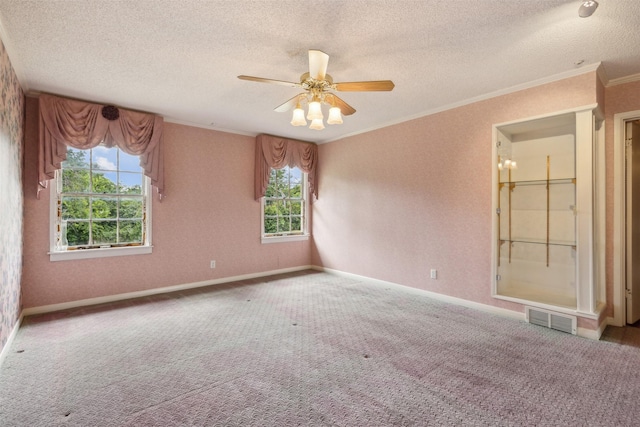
pixel 82 125
pixel 275 152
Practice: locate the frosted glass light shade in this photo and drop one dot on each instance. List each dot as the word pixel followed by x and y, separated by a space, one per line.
pixel 335 118
pixel 298 117
pixel 316 124
pixel 315 111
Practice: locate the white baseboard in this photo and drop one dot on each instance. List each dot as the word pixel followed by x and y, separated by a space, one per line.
pixel 156 291
pixel 12 335
pixel 587 333
pixel 582 332
pixel 593 334
pixel 615 322
pixel 440 297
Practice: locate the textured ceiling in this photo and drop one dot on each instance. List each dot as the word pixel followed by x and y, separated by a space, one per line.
pixel 180 58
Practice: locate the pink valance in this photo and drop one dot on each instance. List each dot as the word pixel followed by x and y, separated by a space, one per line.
pixel 82 125
pixel 273 152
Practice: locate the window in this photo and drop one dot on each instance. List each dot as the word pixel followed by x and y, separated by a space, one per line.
pixel 285 207
pixel 99 205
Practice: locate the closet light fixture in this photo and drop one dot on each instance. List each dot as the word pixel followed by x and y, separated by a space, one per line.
pixel 506 164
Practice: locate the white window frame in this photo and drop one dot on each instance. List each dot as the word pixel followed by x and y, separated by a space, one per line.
pixel 305 219
pixel 57 254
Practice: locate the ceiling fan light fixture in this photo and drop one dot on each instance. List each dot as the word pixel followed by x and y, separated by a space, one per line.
pixel 298 117
pixel 587 8
pixel 315 111
pixel 335 116
pixel 317 88
pixel 316 124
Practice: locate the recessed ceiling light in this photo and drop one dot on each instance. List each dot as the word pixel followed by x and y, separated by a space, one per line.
pixel 587 8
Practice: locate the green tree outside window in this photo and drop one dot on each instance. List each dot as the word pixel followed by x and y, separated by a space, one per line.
pixel 101 199
pixel 284 202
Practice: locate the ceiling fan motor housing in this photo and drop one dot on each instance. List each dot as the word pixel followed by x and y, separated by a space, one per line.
pixel 309 83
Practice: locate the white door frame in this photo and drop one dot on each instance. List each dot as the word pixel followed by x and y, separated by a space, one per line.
pixel 619 218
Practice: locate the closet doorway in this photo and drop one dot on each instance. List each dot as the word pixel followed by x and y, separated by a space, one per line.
pixel 626 244
pixel 632 142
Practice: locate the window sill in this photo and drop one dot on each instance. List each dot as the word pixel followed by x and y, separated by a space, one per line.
pixel 99 253
pixel 281 239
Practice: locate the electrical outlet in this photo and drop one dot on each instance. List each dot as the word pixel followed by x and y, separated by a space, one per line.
pixel 434 273
pixel 213 263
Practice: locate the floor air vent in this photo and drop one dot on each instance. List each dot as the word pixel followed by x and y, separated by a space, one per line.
pixel 549 319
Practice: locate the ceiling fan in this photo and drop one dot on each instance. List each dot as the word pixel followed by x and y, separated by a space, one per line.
pixel 318 87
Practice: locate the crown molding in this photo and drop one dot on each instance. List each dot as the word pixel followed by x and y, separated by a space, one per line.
pixel 199 125
pixel 622 80
pixel 528 85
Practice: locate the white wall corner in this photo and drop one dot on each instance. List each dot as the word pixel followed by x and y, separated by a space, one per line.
pixel 602 75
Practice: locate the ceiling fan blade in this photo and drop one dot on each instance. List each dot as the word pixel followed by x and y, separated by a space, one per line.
pixel 289 104
pixel 377 85
pixel 345 108
pixel 318 62
pixel 263 80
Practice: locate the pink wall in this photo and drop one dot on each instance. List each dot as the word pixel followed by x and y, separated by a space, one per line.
pixel 393 203
pixel 209 213
pixel 401 200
